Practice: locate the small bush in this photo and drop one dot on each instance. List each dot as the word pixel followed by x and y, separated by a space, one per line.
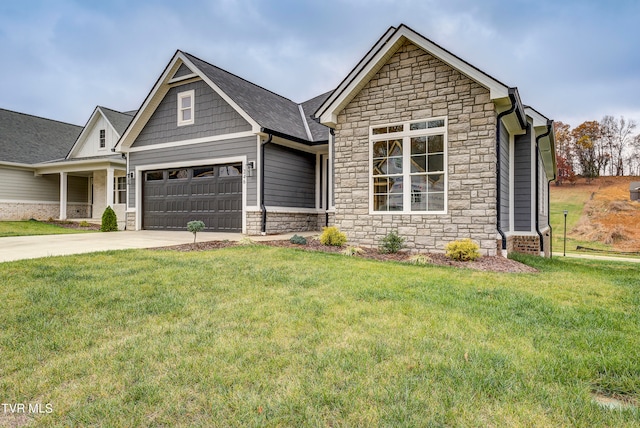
pixel 246 241
pixel 84 223
pixel 352 251
pixel 194 227
pixel 333 237
pixel 298 240
pixel 419 259
pixel 109 220
pixel 391 244
pixel 463 250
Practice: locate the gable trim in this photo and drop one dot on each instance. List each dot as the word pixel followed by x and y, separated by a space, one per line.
pixel 378 56
pixel 157 94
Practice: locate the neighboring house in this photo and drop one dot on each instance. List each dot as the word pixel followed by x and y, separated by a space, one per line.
pixel 416 140
pixel 56 170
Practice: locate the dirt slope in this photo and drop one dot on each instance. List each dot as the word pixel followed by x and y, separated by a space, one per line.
pixel 609 216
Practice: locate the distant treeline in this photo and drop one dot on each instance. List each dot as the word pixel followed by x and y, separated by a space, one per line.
pixel 594 148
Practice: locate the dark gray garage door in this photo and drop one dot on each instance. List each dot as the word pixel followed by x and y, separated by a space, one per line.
pixel 173 197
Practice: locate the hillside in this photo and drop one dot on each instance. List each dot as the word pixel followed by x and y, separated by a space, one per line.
pixel 601 214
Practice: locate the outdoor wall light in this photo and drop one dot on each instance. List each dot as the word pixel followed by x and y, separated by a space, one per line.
pixel 251 166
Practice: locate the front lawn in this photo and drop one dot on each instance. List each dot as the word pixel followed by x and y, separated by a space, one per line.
pixel 263 336
pixel 34 227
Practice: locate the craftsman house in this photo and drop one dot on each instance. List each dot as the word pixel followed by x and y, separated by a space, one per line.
pixel 57 170
pixel 414 140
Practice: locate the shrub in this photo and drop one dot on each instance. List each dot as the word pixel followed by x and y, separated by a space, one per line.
pixel 84 223
pixel 419 259
pixel 109 220
pixel 391 244
pixel 246 241
pixel 462 250
pixel 352 251
pixel 298 240
pixel 333 237
pixel 194 227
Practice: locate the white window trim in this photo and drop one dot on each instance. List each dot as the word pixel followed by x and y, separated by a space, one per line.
pixel 406 160
pixel 117 189
pixel 102 140
pixel 180 109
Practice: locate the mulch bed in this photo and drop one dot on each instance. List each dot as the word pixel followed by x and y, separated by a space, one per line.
pixel 73 225
pixel 490 264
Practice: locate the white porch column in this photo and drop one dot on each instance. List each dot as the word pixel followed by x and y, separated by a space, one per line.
pixel 63 196
pixel 109 186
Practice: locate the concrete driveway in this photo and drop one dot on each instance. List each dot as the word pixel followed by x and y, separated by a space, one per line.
pixel 31 247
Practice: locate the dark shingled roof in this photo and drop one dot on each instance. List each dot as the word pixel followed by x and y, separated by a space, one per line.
pixel 319 132
pixel 119 120
pixel 270 110
pixel 30 139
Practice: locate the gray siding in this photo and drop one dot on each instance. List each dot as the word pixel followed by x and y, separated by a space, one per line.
pixel 290 177
pixel 183 71
pixel 213 116
pixel 522 182
pixel 22 185
pixel 504 179
pixel 246 146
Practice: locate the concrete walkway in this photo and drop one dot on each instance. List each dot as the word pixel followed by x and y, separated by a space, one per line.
pixel 32 247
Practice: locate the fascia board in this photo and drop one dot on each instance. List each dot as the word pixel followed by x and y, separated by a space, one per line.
pixel 142 116
pixel 353 74
pixel 71 166
pixel 378 57
pixel 83 134
pixel 496 88
pixel 160 90
pixel 113 128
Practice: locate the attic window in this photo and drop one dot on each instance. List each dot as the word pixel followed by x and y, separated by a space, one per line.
pixel 186 108
pixel 103 139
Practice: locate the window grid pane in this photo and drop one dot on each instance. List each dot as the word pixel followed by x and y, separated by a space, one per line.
pixel 425 170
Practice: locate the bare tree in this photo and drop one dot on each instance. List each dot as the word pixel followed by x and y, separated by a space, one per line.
pixel 617 138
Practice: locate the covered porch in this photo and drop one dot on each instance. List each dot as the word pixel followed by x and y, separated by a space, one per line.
pixel 88 186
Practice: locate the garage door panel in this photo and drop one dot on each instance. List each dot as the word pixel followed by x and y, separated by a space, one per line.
pixel 213 195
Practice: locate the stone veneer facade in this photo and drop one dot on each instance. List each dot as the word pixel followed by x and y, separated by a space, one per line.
pixel 414 85
pixel 286 222
pixel 41 210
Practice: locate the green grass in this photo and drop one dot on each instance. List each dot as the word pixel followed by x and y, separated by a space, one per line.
pixel 33 227
pixel 261 336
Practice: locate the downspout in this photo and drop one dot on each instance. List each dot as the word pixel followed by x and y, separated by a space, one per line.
pixel 538 190
pixel 537 211
pixel 263 208
pixel 514 104
pixel 329 172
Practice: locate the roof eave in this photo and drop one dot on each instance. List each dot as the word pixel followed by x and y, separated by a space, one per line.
pixel 377 57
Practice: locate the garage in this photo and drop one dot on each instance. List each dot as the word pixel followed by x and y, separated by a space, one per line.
pixel 211 193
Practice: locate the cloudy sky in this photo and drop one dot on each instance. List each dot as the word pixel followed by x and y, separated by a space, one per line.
pixel 573 60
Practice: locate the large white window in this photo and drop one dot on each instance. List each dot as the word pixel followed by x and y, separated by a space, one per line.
pixel 186 109
pixel 409 167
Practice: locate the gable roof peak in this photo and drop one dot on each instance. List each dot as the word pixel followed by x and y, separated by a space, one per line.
pixel 190 56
